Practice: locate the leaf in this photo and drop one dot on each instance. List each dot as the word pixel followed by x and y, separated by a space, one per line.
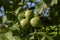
pixel 2 37
pixel 45 5
pixel 43 38
pixel 45 35
pixel 39 7
pixel 54 2
pixel 17 10
pixel 32 37
pixel 15 27
pixel 49 37
pixel 17 37
pixel 9 35
pixel 21 16
pixel 54 34
pixel 27 37
pixel 4 19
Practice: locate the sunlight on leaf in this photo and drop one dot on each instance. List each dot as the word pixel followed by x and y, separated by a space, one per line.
pixel 9 35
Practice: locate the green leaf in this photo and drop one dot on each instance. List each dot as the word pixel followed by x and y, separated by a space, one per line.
pixel 9 35
pixel 54 2
pixel 21 16
pixel 17 37
pixel 45 5
pixel 53 34
pixel 43 38
pixel 17 10
pixel 15 27
pixel 2 37
pixel 45 35
pixel 39 7
pixel 4 19
pixel 32 37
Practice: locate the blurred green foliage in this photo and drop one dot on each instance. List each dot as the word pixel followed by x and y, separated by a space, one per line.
pixel 11 27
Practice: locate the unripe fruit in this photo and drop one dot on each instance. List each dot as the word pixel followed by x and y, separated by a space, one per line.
pixel 35 22
pixel 24 24
pixel 29 14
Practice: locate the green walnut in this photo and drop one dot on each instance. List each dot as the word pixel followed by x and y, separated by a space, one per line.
pixel 35 22
pixel 24 24
pixel 29 14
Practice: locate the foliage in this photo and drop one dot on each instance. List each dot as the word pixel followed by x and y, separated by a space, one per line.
pixel 22 21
